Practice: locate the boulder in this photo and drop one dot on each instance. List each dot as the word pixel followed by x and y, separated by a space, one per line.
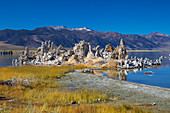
pixel 108 48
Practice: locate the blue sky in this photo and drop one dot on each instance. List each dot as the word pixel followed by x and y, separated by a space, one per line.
pixel 123 16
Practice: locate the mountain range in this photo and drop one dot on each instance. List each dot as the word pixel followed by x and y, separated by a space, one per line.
pixel 67 37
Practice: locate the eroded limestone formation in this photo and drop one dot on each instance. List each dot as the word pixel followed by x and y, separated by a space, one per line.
pixel 118 53
pixel 82 49
pixel 85 53
pixel 24 57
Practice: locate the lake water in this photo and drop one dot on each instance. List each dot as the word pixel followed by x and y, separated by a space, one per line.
pixel 160 76
pixel 6 60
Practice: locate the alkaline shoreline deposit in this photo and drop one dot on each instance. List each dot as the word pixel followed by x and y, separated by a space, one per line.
pixel 42 89
pixel 136 94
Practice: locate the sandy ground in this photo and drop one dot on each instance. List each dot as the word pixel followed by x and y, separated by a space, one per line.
pixel 128 92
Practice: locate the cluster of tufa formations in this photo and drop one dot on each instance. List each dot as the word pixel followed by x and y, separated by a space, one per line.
pixel 84 53
pixel 4 52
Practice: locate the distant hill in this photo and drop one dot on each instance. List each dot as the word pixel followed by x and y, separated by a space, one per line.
pixel 160 39
pixel 67 37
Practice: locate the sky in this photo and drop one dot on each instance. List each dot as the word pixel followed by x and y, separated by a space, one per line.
pixel 123 16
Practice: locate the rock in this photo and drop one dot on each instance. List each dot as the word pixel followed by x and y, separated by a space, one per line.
pixel 148 73
pixel 84 53
pixel 122 49
pixel 73 102
pixel 43 53
pixel 154 104
pixel 2 82
pixel 127 57
pixel 11 100
pixel 150 104
pixel 26 52
pixel 58 77
pixel 82 49
pixel 17 81
pixel 8 83
pixel 90 55
pixel 60 50
pixel 26 82
pixel 87 71
pixel 101 51
pixel 98 61
pixel 72 60
pixel 108 48
pixel 112 63
pixel 70 52
pixel 97 53
pixel 72 70
pixel 99 99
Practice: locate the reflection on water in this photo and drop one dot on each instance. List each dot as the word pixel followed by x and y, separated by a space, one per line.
pixel 6 60
pixel 159 75
pixel 153 55
pixel 113 73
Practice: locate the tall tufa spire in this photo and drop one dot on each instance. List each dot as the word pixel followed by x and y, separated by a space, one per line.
pixel 122 43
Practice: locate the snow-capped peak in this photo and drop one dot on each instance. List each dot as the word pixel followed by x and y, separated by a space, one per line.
pixel 82 29
pixel 71 29
pixel 59 27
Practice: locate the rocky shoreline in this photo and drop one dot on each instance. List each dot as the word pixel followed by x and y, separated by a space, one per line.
pixel 83 53
pixel 87 54
pixel 157 98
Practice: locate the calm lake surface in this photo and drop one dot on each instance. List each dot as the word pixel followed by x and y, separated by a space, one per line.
pixel 160 76
pixel 6 60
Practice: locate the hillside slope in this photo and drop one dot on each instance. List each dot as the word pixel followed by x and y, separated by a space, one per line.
pixel 67 37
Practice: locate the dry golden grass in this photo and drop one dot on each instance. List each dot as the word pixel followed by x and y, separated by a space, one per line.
pixel 104 66
pixel 39 71
pixel 44 87
pixel 5 46
pixel 87 108
pixel 52 96
pixel 45 95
